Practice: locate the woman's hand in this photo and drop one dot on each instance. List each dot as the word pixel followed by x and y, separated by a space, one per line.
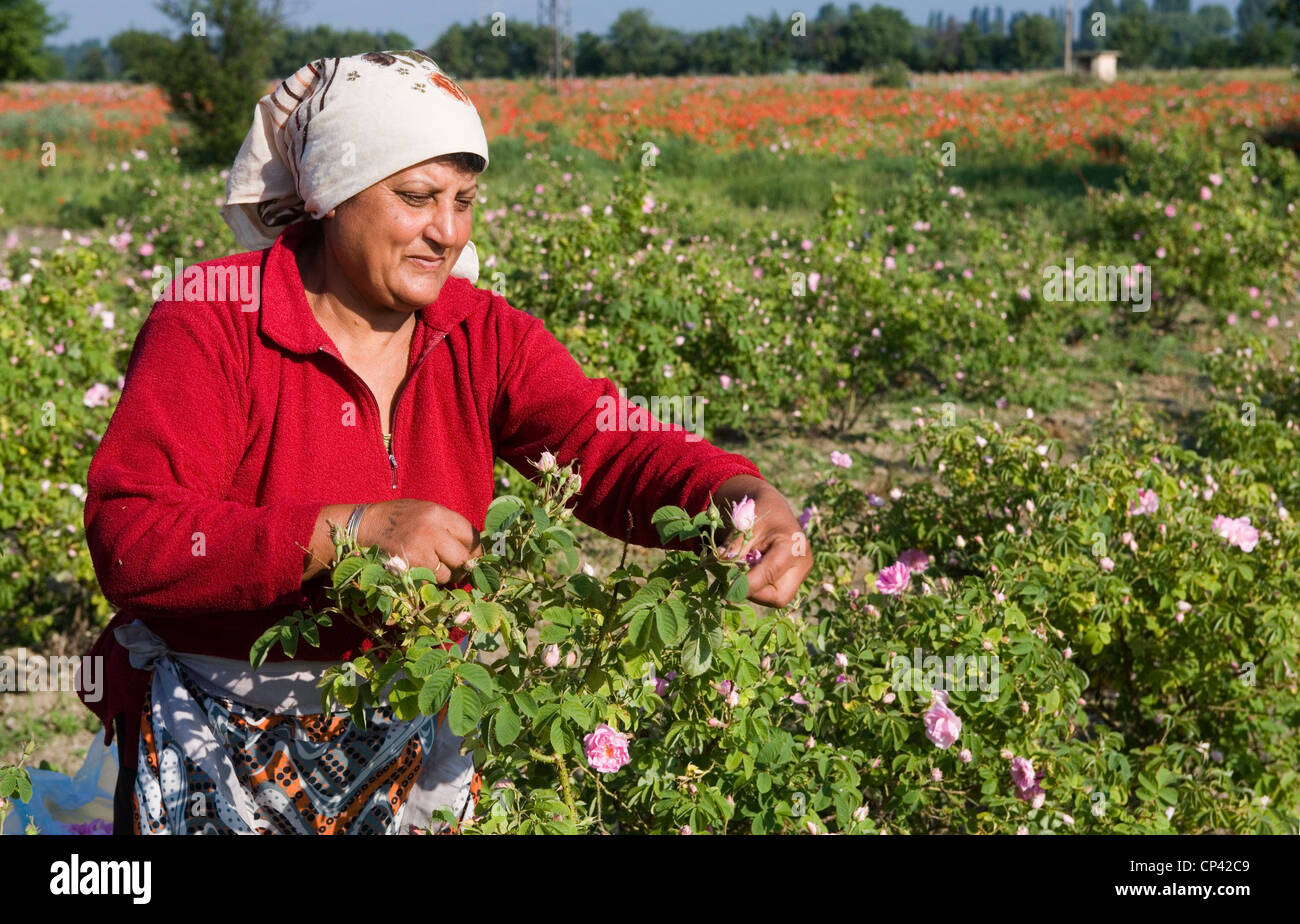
pixel 426 534
pixel 786 558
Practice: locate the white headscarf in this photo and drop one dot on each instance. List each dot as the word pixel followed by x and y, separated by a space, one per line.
pixel 338 126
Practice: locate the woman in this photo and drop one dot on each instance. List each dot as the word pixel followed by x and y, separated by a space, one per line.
pixel 372 387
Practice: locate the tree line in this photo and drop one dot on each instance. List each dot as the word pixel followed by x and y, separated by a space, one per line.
pixel 834 40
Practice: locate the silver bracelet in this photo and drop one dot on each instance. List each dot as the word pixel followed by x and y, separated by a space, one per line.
pixel 354 522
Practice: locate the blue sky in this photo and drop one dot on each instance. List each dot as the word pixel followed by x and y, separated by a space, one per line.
pixel 424 20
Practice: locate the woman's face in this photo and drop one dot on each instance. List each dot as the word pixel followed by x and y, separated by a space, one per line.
pixel 397 240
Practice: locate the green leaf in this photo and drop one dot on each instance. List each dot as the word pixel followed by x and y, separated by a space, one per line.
pixel 672 523
pixel 405 699
pixel 553 634
pixel 506 726
pixel 486 578
pixel 1051 701
pixel 562 738
pixel 430 661
pixel 474 673
pixel 501 513
pixel 347 569
pixel 486 615
pixel 697 654
pixel 371 574
pixel 738 592
pixel 262 647
pixel 527 705
pixel 422 574
pixel 667 624
pixel 435 689
pixel 464 711
pixel 289 639
pixel 573 709
pixel 639 629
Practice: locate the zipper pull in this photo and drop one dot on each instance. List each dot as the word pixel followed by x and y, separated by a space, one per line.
pixel 392 460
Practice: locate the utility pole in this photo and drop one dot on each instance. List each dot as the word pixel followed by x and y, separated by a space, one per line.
pixel 1069 33
pixel 557 15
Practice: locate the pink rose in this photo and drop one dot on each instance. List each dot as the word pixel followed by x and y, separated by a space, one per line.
pixel 965 756
pixel 1022 772
pixel 894 579
pixel 1106 563
pixel 96 395
pixel 742 514
pixel 1147 502
pixel 551 655
pixel 606 749
pixel 1238 532
pixel 916 560
pixel 841 459
pixel 942 725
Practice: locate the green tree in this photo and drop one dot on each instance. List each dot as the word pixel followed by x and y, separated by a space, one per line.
pixel 1286 11
pixel 872 38
pixel 24 27
pixel 593 56
pixel 1216 19
pixel 1250 12
pixel 1268 44
pixel 216 70
pixel 1138 35
pixel 1035 42
pixel 93 65
pixel 139 56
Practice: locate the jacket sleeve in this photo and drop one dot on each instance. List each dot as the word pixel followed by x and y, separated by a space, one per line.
pixel 162 536
pixel 546 403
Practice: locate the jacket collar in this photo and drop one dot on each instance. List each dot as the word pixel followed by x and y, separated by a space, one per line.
pixel 287 318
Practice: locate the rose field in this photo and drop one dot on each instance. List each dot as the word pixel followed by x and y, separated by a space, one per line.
pixel 1055 584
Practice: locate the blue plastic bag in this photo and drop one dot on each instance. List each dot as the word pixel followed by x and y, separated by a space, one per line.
pixel 62 804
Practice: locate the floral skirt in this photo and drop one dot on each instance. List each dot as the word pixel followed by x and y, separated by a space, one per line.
pixel 297 774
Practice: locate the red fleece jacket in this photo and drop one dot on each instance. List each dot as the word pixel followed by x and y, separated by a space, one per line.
pixel 235 427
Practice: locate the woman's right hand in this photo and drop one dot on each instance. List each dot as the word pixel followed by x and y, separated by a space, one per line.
pixel 425 534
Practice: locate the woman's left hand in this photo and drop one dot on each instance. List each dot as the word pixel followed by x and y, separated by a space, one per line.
pixel 785 556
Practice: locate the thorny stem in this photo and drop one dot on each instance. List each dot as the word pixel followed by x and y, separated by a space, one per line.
pixel 558 760
pixel 609 617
